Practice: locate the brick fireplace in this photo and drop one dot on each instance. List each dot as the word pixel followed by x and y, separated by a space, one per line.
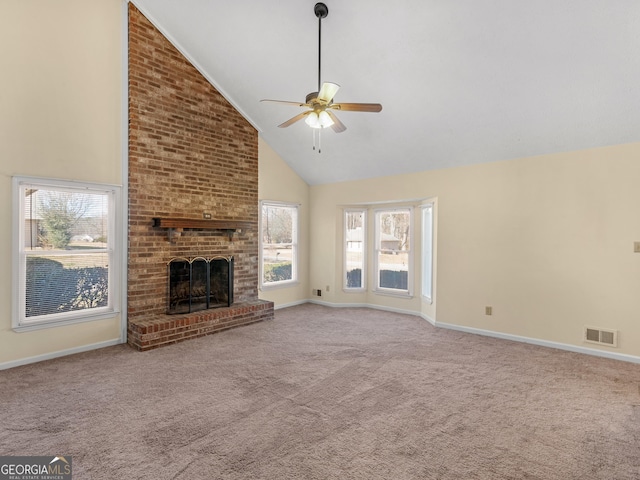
pixel 193 163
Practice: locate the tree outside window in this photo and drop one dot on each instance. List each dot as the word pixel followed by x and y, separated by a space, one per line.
pixel 354 249
pixel 393 250
pixel 279 240
pixel 65 252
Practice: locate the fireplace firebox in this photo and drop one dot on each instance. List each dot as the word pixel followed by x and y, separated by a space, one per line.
pixel 199 283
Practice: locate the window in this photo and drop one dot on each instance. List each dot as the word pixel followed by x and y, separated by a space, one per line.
pixel 65 265
pixel 393 251
pixel 354 249
pixel 427 251
pixel 278 244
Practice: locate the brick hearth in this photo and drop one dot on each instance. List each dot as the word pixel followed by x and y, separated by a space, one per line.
pixel 145 333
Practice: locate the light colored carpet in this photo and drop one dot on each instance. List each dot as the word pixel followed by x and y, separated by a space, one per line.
pixel 323 393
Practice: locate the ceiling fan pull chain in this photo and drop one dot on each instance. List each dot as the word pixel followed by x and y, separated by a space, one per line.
pixel 313 132
pixel 319 137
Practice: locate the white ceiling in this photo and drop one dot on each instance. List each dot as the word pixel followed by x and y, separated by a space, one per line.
pixel 461 81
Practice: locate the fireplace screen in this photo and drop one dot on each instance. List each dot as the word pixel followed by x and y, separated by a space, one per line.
pixel 199 283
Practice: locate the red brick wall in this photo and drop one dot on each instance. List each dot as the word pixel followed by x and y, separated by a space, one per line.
pixel 190 152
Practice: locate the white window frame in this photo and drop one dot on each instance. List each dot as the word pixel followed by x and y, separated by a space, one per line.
pixel 427 252
pixel 377 248
pixel 294 245
pixel 345 286
pixel 20 322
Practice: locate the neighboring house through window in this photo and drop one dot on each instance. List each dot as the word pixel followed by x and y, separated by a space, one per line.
pixel 278 243
pixel 393 256
pixel 65 265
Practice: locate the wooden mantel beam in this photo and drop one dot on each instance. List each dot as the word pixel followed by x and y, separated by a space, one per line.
pixel 200 223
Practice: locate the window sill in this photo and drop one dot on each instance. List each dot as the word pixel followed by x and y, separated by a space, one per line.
pixel 279 285
pixel 391 293
pixel 427 300
pixel 40 325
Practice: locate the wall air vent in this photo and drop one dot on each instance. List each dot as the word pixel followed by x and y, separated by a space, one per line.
pixel 601 336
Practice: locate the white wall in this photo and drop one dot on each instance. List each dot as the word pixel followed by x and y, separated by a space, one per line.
pixel 277 181
pixel 60 116
pixel 546 241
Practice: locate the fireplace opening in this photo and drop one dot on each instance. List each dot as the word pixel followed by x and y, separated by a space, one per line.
pixel 199 283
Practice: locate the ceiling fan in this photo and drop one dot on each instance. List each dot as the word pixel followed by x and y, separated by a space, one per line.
pixel 320 103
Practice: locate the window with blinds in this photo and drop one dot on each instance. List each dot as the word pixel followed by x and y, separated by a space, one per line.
pixel 64 250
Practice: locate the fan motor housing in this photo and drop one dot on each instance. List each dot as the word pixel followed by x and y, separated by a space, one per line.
pixel 311 97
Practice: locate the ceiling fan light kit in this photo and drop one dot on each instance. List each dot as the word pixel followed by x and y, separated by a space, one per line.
pixel 320 103
pixel 319 120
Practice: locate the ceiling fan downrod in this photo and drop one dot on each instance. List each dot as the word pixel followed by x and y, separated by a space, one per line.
pixel 321 11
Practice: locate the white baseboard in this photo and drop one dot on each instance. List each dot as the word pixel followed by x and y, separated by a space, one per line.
pixel 369 305
pixel 59 353
pixel 292 304
pixel 428 319
pixel 542 343
pixel 337 305
pixel 489 333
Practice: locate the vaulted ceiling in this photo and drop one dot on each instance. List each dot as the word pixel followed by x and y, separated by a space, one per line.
pixel 461 82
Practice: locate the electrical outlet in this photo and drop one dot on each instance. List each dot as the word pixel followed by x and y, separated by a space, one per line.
pixel 327 288
pixel 488 310
pixel 206 216
pixel 636 247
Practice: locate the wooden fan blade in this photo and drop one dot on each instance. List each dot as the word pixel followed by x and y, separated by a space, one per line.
pixel 337 126
pixel 357 107
pixel 297 104
pixel 328 91
pixel 293 120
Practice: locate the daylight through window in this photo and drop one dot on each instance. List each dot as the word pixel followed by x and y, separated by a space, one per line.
pixel 278 243
pixel 65 253
pixel 427 251
pixel 354 249
pixel 393 250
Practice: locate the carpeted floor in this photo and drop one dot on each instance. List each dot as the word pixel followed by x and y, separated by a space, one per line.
pixel 323 393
